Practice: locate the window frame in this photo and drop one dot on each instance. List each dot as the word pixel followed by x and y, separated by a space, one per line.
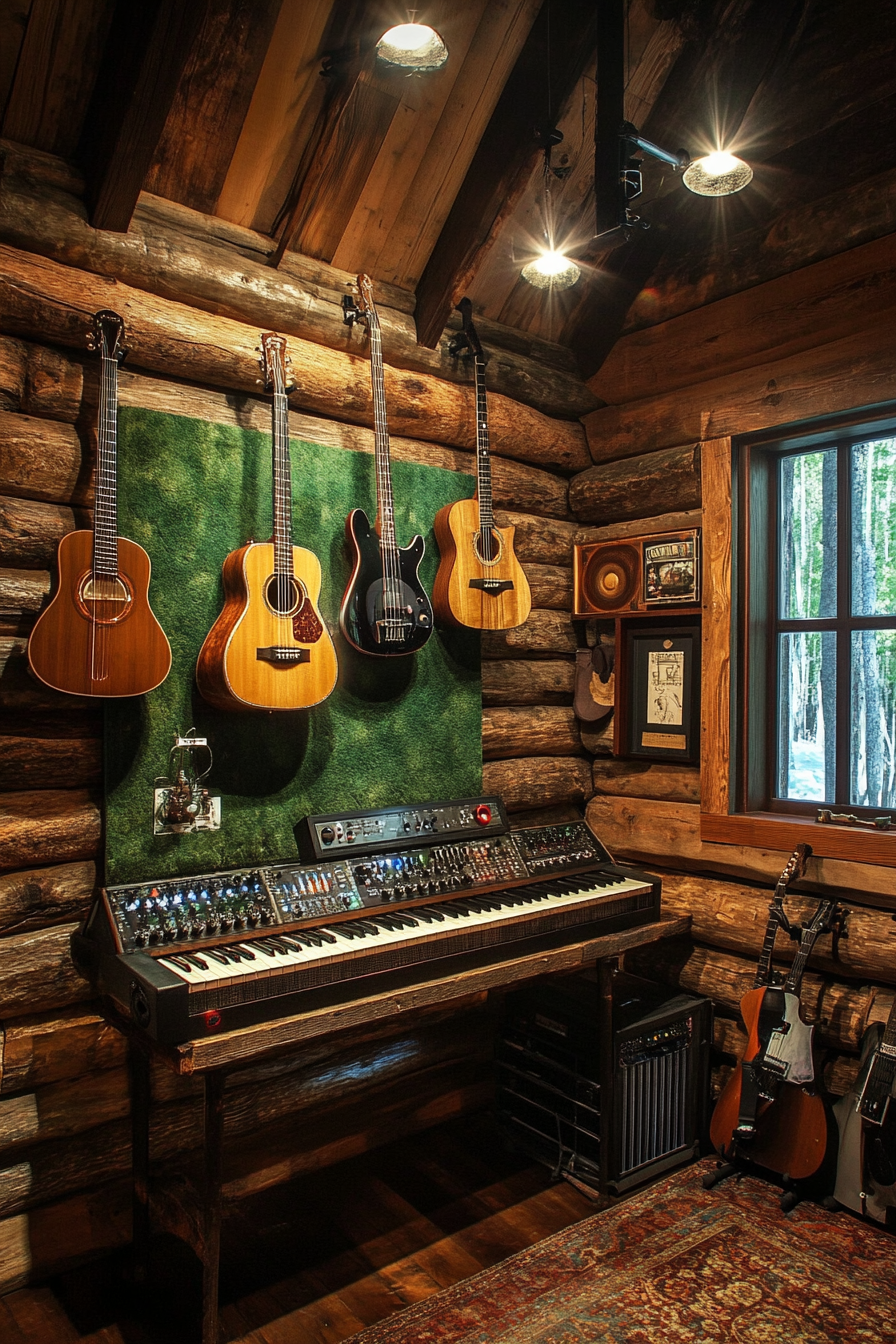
pixel 736 725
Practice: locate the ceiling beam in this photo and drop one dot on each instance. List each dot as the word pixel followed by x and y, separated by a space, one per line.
pixel 556 52
pixel 148 48
pixel 703 101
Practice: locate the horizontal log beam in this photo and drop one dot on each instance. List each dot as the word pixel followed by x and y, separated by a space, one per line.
pixel 41 459
pixel 734 917
pixel 550 585
pixel 647 779
pixel 46 300
pixel 538 781
pixel 36 897
pixel 28 762
pixel 20 693
pixel 545 634
pixel 528 683
pixel 64 1234
pixel 37 973
pixel 536 730
pixel 638 486
pixel 192 258
pixel 47 825
pixel 641 527
pixel 546 542
pixel 859 370
pixel 669 834
pixel 30 531
pixel 837 298
pixel 513 483
pixel 44 1048
pixel 36 380
pixel 841 1012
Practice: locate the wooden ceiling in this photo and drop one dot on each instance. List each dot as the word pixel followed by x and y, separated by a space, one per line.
pixel 273 114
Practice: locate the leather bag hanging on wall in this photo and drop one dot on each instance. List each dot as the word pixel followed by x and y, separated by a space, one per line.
pixel 595 687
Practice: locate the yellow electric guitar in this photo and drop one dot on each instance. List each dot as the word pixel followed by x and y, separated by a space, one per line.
pixel 479 583
pixel 269 648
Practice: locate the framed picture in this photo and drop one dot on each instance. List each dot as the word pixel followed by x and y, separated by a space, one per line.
pixel 661 711
pixel 671 569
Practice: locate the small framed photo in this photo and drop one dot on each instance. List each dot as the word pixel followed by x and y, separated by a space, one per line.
pixel 662 692
pixel 671 572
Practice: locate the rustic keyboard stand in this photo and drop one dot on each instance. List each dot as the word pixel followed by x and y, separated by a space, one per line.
pixel 192 1209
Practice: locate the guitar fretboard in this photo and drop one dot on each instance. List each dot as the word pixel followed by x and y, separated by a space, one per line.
pixel 105 517
pixel 283 566
pixel 483 460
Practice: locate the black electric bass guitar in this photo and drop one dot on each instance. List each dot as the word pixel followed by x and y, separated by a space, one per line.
pixel 385 609
pixel 99 636
pixel 480 583
pixel 866 1116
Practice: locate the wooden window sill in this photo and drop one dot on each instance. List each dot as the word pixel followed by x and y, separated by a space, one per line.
pixel 771 830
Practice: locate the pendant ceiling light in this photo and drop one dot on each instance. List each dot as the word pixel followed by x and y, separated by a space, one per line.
pixel 412 46
pixel 552 270
pixel 718 174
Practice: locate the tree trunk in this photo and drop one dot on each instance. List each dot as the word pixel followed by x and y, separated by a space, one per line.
pixel 545 633
pixel 638 486
pixel 63 823
pixel 532 683
pixel 531 731
pixel 36 897
pixel 647 779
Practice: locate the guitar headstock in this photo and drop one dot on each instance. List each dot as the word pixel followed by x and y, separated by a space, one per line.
pixel 275 363
pixel 107 335
pixel 365 310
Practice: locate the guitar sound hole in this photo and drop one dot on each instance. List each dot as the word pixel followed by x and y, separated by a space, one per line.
pixel 284 595
pixel 104 598
pixel 488 546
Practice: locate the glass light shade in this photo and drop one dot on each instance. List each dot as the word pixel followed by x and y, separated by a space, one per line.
pixel 718 174
pixel 412 46
pixel 551 271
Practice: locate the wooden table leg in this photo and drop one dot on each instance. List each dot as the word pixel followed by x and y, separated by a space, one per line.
pixel 214 1140
pixel 141 1102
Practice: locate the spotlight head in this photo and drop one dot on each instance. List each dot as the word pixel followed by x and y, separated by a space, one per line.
pixel 412 46
pixel 718 174
pixel 552 270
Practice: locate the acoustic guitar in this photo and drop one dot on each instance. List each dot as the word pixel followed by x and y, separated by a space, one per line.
pixel 866 1158
pixel 479 582
pixel 761 1116
pixel 385 609
pixel 269 648
pixel 99 636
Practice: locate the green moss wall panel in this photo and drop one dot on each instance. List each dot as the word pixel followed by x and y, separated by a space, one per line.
pixel 394 730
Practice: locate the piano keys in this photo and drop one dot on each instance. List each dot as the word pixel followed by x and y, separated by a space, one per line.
pixel 185 957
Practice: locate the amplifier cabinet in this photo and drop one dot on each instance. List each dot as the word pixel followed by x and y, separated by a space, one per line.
pixel 648 1116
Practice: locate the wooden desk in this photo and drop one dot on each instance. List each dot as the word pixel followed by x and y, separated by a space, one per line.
pixel 190 1204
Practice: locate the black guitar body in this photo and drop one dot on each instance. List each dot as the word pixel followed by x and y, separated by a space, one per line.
pixel 380 617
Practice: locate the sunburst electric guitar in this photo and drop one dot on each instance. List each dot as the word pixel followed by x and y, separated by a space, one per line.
pixel 385 609
pixel 479 583
pixel 98 636
pixel 269 648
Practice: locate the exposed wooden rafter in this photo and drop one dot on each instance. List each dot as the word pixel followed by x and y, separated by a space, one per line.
pixel 147 51
pixel 554 56
pixel 703 101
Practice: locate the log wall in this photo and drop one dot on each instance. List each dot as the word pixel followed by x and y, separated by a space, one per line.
pixel 194 299
pixel 808 344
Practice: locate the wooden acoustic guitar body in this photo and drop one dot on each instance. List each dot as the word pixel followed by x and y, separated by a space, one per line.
pixel 256 657
pixel 482 594
pixel 362 613
pixel 761 1011
pixel 98 636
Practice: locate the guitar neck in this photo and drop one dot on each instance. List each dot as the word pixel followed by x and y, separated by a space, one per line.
pixel 764 967
pixel 282 486
pixel 385 511
pixel 483 458
pixel 105 517
pixel 808 938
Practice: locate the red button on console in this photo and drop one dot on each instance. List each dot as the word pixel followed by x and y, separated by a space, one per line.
pixel 483 814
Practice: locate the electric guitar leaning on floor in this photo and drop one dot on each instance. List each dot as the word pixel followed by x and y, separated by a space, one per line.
pixel 479 583
pixel 269 648
pixel 765 1115
pixel 99 636
pixel 385 609
pixel 866 1116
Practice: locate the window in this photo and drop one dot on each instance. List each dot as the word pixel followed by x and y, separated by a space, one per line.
pixel 816 634
pixel 832 659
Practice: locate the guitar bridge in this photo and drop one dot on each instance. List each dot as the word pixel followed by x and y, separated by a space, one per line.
pixel 494 587
pixel 282 655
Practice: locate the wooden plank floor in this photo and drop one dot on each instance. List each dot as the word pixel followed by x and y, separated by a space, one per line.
pixel 316 1260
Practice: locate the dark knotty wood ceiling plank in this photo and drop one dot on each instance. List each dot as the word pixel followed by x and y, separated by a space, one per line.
pixel 701 106
pixel 422 113
pixel 207 116
pixel 13 22
pixel 145 55
pixel 289 94
pixel 55 73
pixel 553 58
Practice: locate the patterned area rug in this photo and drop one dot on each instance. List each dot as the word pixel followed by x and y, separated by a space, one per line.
pixel 676 1264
